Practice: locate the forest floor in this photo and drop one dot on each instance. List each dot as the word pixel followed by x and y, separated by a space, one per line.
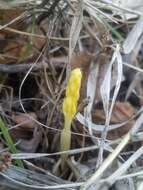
pixel 93 141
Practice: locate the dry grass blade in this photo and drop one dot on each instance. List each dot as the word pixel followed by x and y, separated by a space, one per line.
pixel 19 178
pixel 129 5
pixel 133 36
pixel 93 10
pixel 96 127
pixel 16 3
pixel 125 166
pixel 120 7
pixel 38 155
pixel 76 27
pixel 105 94
pixel 91 88
pixel 118 58
pixel 140 186
pixel 97 175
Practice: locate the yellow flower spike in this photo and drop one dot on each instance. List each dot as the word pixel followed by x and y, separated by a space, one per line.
pixel 74 84
pixel 69 107
pixel 69 110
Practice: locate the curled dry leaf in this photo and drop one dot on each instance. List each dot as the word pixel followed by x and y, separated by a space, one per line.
pixel 24 120
pixel 27 132
pixel 122 112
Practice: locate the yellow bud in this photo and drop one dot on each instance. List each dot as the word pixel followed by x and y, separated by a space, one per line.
pixel 72 94
pixel 69 110
pixel 74 83
pixel 72 91
pixel 69 107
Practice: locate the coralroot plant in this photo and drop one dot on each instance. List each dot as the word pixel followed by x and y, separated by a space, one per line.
pixel 69 110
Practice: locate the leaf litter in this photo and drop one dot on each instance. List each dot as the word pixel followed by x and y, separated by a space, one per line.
pixel 41 42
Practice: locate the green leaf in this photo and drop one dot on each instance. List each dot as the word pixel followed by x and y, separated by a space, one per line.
pixel 9 141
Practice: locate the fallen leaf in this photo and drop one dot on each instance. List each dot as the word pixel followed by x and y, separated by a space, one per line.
pixel 122 112
pixel 24 120
pixel 32 144
pixel 16 46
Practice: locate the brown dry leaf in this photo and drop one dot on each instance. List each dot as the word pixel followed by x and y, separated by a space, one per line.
pixel 24 120
pixel 25 127
pixel 122 112
pixel 28 132
pixel 11 51
pixel 7 16
pixel 83 61
pixel 32 144
pixel 16 47
pixel 10 46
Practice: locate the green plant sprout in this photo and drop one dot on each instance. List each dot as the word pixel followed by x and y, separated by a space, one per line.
pixel 9 141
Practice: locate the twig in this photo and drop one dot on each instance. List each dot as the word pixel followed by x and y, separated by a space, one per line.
pixel 106 163
pixel 33 35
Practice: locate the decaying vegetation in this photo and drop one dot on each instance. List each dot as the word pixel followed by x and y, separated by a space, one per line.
pixel 100 145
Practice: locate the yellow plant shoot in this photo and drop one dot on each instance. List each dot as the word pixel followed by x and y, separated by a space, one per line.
pixel 69 110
